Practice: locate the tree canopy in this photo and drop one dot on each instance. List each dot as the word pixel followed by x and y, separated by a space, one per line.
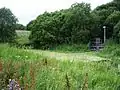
pixel 20 27
pixel 69 26
pixel 7 25
pixel 77 24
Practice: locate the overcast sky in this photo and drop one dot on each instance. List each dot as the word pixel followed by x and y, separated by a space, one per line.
pixel 27 10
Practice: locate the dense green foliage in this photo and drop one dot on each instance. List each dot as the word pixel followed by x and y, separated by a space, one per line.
pixel 72 25
pixel 7 25
pixel 20 27
pixel 30 25
pixel 75 25
pixel 111 51
pixel 36 72
pixel 66 34
pixel 116 34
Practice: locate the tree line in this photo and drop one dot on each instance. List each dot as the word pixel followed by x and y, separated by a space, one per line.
pixel 78 24
pixel 75 25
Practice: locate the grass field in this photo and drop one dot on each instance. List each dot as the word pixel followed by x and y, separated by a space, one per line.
pixel 51 70
pixel 84 57
pixel 22 36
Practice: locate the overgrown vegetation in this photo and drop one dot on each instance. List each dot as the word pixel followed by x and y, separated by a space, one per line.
pixel 35 72
pixel 111 51
pixel 70 26
pixel 76 25
pixel 65 32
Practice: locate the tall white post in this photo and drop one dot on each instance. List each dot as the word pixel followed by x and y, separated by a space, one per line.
pixel 104 33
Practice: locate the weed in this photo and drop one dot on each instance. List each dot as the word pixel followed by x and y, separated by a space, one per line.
pixel 67 83
pixel 36 72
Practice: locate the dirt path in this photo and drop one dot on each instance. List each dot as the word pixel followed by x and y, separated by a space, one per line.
pixel 87 56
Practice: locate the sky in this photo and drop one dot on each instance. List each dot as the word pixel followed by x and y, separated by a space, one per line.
pixel 27 10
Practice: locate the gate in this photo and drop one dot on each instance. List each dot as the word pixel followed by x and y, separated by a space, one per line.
pixel 96 44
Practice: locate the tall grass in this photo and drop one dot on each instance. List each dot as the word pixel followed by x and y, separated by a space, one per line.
pixel 71 48
pixel 111 51
pixel 12 53
pixel 36 72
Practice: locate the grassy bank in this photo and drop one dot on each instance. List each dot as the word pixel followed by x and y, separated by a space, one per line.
pixel 111 51
pixel 37 72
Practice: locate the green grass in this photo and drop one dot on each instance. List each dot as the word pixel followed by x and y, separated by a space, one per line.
pixel 12 53
pixel 111 51
pixel 22 37
pixel 71 48
pixel 35 71
pixel 77 56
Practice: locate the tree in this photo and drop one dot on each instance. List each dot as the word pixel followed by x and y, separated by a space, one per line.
pixel 113 18
pixel 20 27
pixel 107 6
pixel 100 17
pixel 7 25
pixel 117 2
pixel 70 26
pixel 30 25
pixel 42 34
pixel 111 21
pixel 78 21
pixel 103 14
pixel 116 33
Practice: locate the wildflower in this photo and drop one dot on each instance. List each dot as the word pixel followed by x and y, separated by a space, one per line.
pixel 53 68
pixel 26 56
pixel 9 80
pixel 13 85
pixel 17 56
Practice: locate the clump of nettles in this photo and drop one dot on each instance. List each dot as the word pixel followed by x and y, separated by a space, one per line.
pixel 13 85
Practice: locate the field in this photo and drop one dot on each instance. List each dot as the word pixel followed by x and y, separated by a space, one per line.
pixel 59 70
pixel 53 53
pixel 22 36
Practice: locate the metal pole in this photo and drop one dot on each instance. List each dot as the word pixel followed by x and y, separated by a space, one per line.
pixel 104 34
